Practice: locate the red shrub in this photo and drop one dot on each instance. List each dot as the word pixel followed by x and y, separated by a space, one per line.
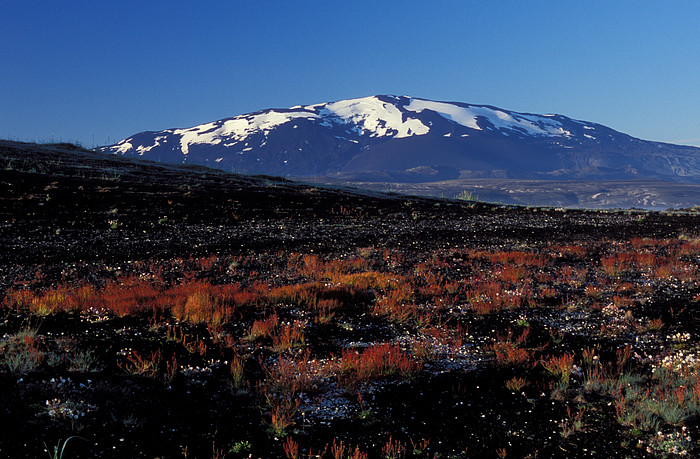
pixel 507 350
pixel 289 336
pixel 289 376
pixel 612 265
pixel 560 366
pixel 141 364
pixel 132 296
pixel 508 354
pixel 291 448
pixel 263 328
pixel 393 449
pixel 569 250
pixel 18 299
pixel 376 361
pixel 397 305
pixel 512 274
pixel 338 451
pixel 518 258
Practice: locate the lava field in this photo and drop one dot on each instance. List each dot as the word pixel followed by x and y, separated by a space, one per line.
pixel 158 311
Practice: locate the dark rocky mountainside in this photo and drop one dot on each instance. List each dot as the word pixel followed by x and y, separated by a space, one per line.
pixel 415 140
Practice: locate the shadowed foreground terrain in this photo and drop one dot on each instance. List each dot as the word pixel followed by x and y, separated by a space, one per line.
pixel 158 311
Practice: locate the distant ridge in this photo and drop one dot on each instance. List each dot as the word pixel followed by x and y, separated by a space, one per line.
pixel 415 140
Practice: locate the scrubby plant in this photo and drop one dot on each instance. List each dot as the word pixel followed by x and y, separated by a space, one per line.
pixel 287 377
pixel 21 352
pixel 508 350
pixel 236 369
pixel 516 384
pixel 376 361
pixel 240 447
pixel 140 364
pixel 572 423
pixel 289 336
pixel 291 448
pixel 560 367
pixel 282 415
pixel 393 449
pixel 263 328
pixel 83 361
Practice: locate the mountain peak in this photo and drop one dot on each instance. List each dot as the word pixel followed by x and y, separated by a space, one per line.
pixel 398 133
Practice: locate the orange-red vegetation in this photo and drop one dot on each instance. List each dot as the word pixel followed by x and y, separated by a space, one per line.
pixel 287 377
pixel 397 304
pixel 263 328
pixel 508 350
pixel 560 366
pixel 512 274
pixel 570 250
pixel 143 364
pixel 519 258
pixel 289 336
pixel 376 361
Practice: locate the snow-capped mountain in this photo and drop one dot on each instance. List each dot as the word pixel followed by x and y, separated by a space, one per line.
pixel 411 139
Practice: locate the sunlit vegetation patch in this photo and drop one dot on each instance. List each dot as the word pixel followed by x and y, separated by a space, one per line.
pixel 603 332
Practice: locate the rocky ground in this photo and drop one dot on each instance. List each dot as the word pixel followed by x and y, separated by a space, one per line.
pixel 160 311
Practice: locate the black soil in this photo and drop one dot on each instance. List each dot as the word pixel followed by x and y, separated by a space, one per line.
pixel 71 218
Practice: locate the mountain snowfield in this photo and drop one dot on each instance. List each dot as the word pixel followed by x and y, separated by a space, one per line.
pixel 366 116
pixel 403 138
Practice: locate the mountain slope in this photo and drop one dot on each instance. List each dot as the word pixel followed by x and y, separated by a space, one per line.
pixel 410 135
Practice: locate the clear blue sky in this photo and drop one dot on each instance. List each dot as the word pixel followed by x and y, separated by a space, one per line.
pixel 90 71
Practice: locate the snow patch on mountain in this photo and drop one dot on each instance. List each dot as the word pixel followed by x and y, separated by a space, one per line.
pixel 464 116
pixel 370 114
pixel 237 128
pixel 141 149
pixel 469 116
pixel 123 147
